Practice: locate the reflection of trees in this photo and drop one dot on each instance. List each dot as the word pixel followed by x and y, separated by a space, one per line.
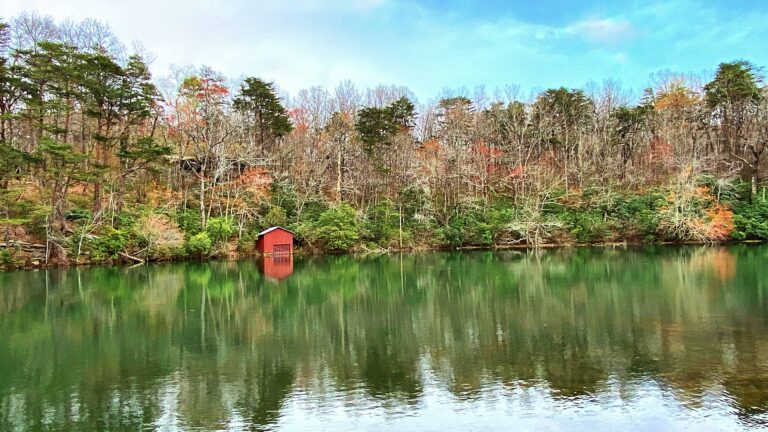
pixel 118 339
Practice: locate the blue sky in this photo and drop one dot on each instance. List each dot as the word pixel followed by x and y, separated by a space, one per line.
pixel 429 45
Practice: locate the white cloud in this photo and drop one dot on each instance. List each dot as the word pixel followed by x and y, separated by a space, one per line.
pixel 319 6
pixel 301 43
pixel 604 30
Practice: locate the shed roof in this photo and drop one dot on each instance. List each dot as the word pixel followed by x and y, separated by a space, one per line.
pixel 269 230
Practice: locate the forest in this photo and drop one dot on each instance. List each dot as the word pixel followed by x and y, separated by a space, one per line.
pixel 102 163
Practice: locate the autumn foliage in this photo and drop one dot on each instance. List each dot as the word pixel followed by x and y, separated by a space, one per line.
pixel 693 213
pixel 94 153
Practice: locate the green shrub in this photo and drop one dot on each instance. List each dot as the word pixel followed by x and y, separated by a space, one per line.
pixel 500 215
pixel 726 189
pixel 128 219
pixel 199 244
pixel 7 259
pixel 452 234
pixel 220 229
pixel 588 226
pixel 751 220
pixel 313 209
pixel 189 222
pixel 36 213
pixel 79 214
pixel 472 226
pixel 382 223
pixel 247 242
pixel 415 206
pixel 276 216
pixel 284 195
pixel 337 228
pixel 106 246
pixel 638 215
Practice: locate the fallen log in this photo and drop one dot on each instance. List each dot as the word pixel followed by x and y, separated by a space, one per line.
pixel 131 257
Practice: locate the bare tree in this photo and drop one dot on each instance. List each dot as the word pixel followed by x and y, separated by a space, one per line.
pixel 30 28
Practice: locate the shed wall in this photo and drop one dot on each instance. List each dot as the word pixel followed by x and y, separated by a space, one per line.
pixel 268 241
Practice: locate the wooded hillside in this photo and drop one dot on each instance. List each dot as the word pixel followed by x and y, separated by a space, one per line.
pixel 100 162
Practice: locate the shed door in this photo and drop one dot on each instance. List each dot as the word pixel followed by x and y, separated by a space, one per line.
pixel 281 249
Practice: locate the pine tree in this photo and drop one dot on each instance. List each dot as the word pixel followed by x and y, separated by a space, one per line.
pixel 268 120
pixel 378 126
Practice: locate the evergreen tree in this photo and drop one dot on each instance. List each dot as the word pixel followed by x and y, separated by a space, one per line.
pixel 268 119
pixel 102 96
pixel 735 83
pixel 734 97
pixel 134 97
pixel 377 126
pixel 563 116
pixel 9 85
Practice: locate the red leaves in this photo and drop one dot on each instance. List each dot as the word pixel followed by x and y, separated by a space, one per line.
pixel 210 88
pixel 299 120
pixel 486 151
pixel 660 152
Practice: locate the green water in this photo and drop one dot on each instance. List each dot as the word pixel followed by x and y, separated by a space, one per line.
pixel 589 339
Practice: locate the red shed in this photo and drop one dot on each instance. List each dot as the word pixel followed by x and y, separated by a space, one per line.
pixel 275 241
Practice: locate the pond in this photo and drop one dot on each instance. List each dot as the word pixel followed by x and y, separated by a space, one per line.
pixel 603 339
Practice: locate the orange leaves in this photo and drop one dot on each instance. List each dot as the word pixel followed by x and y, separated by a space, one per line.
pixel 430 151
pixel 720 222
pixel 159 196
pixel 200 102
pixel 431 159
pixel 694 214
pixel 245 191
pixel 678 97
pixel 675 100
pixel 256 181
pixel 431 146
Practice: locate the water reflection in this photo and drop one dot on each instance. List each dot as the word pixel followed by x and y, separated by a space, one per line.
pixel 276 267
pixel 653 339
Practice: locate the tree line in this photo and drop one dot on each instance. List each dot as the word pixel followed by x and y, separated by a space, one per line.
pixel 99 161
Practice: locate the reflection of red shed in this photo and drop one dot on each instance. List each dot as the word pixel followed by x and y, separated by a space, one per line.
pixel 275 240
pixel 277 267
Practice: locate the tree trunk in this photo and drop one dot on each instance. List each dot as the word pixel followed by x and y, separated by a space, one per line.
pixel 202 201
pixel 339 174
pixel 755 181
pixel 101 159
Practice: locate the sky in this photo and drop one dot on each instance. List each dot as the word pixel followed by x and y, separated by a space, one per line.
pixel 431 45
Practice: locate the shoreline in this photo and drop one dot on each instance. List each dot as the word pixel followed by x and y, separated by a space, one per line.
pixel 28 265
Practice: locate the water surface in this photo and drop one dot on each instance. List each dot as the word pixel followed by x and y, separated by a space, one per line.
pixel 584 339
